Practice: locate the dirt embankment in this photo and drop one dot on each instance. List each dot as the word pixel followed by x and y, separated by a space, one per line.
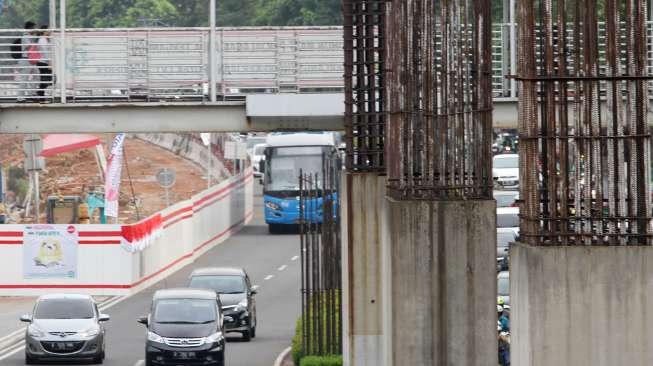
pixel 76 173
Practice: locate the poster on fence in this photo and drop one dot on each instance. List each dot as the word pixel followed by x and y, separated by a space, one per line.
pixel 50 251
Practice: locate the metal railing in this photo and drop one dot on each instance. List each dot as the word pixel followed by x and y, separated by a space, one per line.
pixel 173 63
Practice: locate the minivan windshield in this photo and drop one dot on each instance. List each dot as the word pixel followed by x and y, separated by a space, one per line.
pixel 64 309
pixel 220 284
pixel 506 162
pixel 184 311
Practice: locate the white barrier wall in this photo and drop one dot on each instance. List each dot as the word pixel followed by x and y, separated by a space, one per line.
pixel 104 267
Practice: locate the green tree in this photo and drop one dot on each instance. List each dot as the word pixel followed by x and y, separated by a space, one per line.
pixel 298 12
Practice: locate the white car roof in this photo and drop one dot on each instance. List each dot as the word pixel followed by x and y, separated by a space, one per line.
pixel 301 139
pixel 65 296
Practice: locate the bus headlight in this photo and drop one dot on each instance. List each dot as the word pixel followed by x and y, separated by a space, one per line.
pixel 272 206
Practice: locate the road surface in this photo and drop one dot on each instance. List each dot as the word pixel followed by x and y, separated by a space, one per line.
pixel 272 263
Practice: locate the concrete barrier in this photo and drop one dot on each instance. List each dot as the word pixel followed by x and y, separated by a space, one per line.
pixel 104 267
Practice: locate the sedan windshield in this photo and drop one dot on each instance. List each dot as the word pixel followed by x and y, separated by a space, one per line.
pixel 185 311
pixel 64 309
pixel 220 284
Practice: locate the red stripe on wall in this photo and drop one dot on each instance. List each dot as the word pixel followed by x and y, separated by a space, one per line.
pixel 11 242
pixel 90 234
pixel 11 233
pixel 99 242
pixel 144 279
pixel 165 226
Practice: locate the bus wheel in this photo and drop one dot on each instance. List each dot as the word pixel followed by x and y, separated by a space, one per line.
pixel 273 228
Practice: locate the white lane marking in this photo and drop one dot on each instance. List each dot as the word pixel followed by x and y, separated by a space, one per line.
pixel 140 363
pixel 282 267
pixel 268 277
pixel 294 258
pixel 13 350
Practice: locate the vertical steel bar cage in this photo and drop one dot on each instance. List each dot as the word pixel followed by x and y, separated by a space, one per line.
pixel 364 38
pixel 321 258
pixel 584 141
pixel 439 91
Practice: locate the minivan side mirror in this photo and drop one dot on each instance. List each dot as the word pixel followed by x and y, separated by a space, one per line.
pixel 254 289
pixel 26 318
pixel 142 320
pixel 104 318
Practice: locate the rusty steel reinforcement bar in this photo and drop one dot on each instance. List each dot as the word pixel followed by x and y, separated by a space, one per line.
pixel 585 147
pixel 439 99
pixel 364 38
pixel 320 258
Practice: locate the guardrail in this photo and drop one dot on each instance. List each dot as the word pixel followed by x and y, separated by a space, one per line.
pixel 153 64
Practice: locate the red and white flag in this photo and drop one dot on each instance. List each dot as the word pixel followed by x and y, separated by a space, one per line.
pixel 112 182
pixel 141 235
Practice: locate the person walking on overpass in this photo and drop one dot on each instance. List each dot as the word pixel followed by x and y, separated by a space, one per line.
pixel 43 59
pixel 24 71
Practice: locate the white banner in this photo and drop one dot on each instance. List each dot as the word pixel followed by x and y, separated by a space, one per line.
pixel 112 182
pixel 50 251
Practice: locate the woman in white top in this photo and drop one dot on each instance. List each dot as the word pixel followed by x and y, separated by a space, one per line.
pixel 44 60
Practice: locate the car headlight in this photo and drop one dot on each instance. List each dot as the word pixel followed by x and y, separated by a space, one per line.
pixel 153 337
pixel 33 331
pixel 90 332
pixel 242 305
pixel 272 206
pixel 214 338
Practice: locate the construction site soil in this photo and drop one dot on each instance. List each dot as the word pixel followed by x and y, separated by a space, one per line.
pixel 76 173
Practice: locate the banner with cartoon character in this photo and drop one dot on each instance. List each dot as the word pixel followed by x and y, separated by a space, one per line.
pixel 50 251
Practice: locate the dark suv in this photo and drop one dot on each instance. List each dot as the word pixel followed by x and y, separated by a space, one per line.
pixel 237 296
pixel 185 326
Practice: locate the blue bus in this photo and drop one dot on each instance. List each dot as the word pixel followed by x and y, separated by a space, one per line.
pixel 285 156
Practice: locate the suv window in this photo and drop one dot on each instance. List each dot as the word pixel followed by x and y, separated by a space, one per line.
pixel 220 284
pixel 64 309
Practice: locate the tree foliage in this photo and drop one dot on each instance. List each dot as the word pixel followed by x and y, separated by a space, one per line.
pixel 182 13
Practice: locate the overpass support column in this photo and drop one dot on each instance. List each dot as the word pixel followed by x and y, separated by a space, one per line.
pixel 365 270
pixel 581 306
pixel 444 282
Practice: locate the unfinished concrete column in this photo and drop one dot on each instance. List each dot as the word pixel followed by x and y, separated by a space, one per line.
pixel 441 214
pixel 581 280
pixel 363 220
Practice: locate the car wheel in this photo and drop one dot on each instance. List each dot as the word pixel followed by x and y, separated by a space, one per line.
pixel 252 332
pixel 148 361
pixel 247 335
pixel 29 360
pixel 273 229
pixel 221 362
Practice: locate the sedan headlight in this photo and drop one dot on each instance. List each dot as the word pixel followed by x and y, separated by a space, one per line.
pixel 242 305
pixel 90 332
pixel 214 338
pixel 153 337
pixel 272 206
pixel 35 332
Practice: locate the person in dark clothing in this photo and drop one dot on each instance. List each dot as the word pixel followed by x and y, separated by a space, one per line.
pixel 24 71
pixel 45 60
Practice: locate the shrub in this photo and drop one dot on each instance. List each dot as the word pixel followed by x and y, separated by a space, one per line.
pixel 297 352
pixel 321 361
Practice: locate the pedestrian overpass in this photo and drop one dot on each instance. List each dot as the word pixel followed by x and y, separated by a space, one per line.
pixel 172 79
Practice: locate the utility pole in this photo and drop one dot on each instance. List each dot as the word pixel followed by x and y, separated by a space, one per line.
pixel 53 14
pixel 213 71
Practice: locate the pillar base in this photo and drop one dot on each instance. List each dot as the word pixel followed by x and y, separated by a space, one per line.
pixel 581 306
pixel 443 267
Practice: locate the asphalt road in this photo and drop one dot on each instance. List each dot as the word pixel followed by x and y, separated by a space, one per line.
pixel 271 261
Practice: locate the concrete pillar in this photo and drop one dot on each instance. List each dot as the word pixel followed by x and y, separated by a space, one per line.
pixel 363 213
pixel 444 283
pixel 581 306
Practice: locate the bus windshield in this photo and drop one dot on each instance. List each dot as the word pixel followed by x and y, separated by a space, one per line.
pixel 286 163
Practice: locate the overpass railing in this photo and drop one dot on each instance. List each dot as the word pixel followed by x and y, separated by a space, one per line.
pixel 152 64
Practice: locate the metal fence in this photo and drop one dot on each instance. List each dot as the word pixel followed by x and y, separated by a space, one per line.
pixel 584 141
pixel 320 259
pixel 439 100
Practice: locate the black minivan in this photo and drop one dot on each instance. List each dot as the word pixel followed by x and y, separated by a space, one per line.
pixel 236 295
pixel 185 326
